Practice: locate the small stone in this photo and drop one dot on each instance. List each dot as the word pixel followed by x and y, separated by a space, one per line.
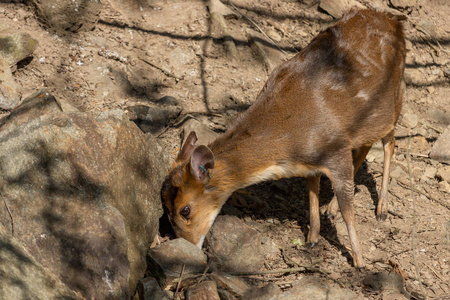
pixel 273 34
pixel 413 95
pixel 152 119
pixel 398 173
pixel 387 283
pixel 444 186
pixel 422 131
pixel 408 44
pixel 226 295
pixel 409 120
pixel 400 157
pixel 166 261
pixel 430 172
pixel 394 296
pixel 441 148
pixel 376 153
pixel 231 283
pixel 443 173
pixel 370 157
pixel 412 76
pixel 168 100
pixel 428 26
pixel 269 292
pixel 148 289
pixel 403 3
pixel 336 8
pixel 204 290
pixel 9 97
pixel 430 89
pixel 16 47
pixel 447 72
pixel 204 134
pixel 69 16
pixel 439 116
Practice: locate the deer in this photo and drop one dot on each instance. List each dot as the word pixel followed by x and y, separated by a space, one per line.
pixel 318 113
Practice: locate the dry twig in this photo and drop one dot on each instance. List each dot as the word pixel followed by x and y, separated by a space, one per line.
pixel 413 232
pixel 259 28
pixel 438 130
pixel 435 273
pixel 271 272
pixel 206 271
pixel 10 214
pixel 165 71
pixel 175 295
pixel 405 185
pixel 427 33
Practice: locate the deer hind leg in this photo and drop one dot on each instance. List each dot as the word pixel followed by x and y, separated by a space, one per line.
pixel 388 146
pixel 313 184
pixel 358 157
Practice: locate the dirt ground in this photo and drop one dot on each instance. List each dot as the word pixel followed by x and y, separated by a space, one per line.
pixel 106 69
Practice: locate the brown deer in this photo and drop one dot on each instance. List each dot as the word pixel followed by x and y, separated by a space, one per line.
pixel 318 113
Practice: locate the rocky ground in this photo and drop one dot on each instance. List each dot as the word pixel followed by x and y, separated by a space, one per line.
pixel 168 66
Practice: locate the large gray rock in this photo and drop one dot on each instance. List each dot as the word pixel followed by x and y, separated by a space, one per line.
pixel 84 194
pixel 22 277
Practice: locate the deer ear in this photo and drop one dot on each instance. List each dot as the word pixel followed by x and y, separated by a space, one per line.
pixel 188 147
pixel 202 159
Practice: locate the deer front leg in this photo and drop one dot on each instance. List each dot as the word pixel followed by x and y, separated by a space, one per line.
pixel 313 184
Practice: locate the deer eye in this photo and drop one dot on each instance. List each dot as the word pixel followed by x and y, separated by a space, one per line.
pixel 185 211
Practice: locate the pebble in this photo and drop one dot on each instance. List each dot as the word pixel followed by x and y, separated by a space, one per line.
pixel 166 261
pixel 16 47
pixel 403 3
pixel 409 120
pixel 441 148
pixel 428 26
pixel 444 186
pixel 9 96
pixel 413 76
pixel 337 8
pixel 168 100
pixel 204 290
pixel 398 173
pixel 444 173
pixel 231 283
pixel 273 34
pixel 204 134
pixel 430 172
